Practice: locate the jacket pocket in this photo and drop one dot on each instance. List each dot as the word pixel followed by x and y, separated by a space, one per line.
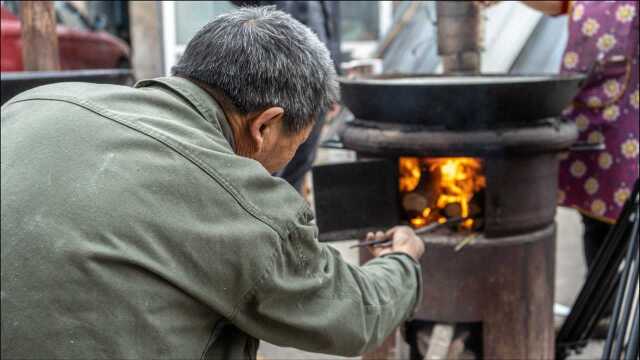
pixel 228 342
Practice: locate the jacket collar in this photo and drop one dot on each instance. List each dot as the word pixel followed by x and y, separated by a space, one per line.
pixel 197 97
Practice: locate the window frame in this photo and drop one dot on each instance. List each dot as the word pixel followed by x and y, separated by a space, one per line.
pixel 365 49
pixel 65 6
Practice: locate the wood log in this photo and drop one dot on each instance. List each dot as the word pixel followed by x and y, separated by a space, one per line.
pixel 439 342
pixel 39 36
pixel 457 348
pixel 414 202
pixel 453 210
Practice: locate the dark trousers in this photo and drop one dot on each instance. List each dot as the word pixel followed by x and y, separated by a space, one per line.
pixel 595 232
pixel 303 159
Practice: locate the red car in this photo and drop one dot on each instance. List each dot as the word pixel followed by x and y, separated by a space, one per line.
pixel 81 43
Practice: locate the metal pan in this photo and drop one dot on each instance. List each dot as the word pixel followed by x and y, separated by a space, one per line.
pixel 459 102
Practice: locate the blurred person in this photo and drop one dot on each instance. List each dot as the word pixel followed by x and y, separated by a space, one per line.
pixel 144 222
pixel 320 17
pixel 603 40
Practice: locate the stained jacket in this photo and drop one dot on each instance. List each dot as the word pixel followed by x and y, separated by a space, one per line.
pixel 131 229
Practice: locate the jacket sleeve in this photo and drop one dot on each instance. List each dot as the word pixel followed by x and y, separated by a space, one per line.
pixel 311 299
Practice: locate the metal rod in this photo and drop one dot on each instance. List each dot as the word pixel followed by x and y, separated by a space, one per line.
pixel 587 146
pixel 613 334
pixel 604 270
pixel 597 308
pixel 629 297
pixel 582 321
pixel 421 230
pixel 626 302
pixel 332 144
pixel 632 348
pixel 437 225
pixel 601 284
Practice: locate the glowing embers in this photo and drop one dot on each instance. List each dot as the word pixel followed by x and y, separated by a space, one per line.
pixel 438 189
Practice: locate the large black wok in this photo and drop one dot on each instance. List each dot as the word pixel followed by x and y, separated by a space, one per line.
pixel 459 102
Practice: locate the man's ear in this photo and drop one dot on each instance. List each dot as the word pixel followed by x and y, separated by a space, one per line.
pixel 264 124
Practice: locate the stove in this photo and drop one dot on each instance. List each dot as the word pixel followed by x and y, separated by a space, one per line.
pixel 477 154
pixel 490 275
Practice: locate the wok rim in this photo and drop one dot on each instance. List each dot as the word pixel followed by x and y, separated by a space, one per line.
pixel 415 79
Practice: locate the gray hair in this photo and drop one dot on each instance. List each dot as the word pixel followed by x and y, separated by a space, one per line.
pixel 261 57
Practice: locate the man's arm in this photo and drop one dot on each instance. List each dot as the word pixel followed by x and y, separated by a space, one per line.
pixel 328 305
pixel 551 8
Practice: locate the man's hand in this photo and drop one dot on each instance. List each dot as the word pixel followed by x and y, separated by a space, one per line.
pixel 485 4
pixel 552 8
pixel 403 239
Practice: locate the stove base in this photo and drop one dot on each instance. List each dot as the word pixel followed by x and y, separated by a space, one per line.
pixel 506 284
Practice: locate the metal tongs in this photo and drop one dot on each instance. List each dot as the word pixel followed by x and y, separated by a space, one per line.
pixel 419 231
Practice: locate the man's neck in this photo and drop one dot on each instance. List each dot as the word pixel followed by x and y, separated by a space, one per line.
pixel 236 121
pixel 232 118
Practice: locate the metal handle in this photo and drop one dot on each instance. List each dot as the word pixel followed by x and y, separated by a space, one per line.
pixel 587 146
pixel 419 231
pixel 599 64
pixel 332 144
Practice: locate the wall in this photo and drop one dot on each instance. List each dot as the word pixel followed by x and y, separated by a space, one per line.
pixel 146 39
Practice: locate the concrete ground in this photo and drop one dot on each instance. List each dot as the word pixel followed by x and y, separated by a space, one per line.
pixel 570 274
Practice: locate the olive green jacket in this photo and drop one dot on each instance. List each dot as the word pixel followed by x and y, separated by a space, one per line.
pixel 131 229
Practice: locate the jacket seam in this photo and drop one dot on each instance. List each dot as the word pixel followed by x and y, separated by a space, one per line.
pixel 176 147
pixel 247 294
pixel 186 93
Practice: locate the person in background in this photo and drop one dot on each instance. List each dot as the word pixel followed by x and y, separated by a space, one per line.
pixel 603 40
pixel 321 18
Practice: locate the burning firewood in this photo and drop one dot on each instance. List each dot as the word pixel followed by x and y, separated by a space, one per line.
pixel 437 189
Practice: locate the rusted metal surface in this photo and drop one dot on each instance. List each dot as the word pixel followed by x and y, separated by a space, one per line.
pixel 521 193
pixel 514 158
pixel 392 139
pixel 502 279
pixel 505 283
pixel 459 36
pixel 387 351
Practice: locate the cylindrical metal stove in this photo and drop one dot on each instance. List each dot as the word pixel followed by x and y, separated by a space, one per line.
pixel 495 282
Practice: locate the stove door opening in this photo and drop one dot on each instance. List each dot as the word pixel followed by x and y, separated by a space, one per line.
pixel 442 190
pixel 433 340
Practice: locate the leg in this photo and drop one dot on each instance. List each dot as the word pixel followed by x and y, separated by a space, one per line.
pixel 594 233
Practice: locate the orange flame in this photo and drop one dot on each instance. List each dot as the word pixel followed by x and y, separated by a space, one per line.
pixel 409 173
pixel 449 182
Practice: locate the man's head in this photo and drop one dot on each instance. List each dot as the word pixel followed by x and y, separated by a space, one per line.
pixel 271 74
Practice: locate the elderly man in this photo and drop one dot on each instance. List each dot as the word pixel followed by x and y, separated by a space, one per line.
pixel 144 222
pixel 320 17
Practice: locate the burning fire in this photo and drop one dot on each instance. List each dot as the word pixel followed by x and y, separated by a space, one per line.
pixel 409 173
pixel 435 189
